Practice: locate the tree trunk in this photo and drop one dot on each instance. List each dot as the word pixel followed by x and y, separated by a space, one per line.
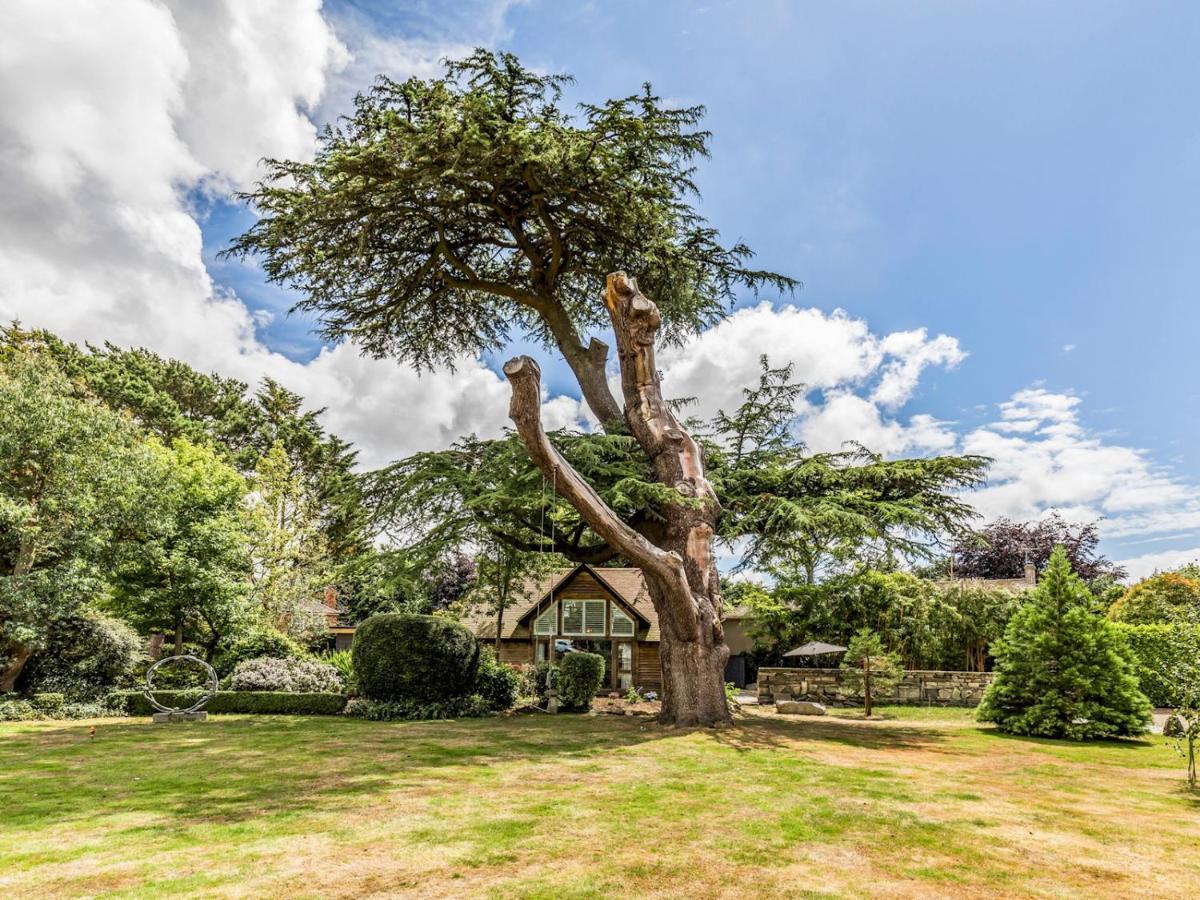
pixel 20 654
pixel 680 571
pixel 11 672
pixel 867 685
pixel 179 638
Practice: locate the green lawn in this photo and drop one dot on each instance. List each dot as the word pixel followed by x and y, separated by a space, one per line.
pixel 925 804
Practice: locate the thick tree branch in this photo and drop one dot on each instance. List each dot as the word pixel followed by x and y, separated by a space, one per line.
pixel 525 410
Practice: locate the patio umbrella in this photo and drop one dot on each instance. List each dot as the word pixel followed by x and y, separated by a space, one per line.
pixel 815 648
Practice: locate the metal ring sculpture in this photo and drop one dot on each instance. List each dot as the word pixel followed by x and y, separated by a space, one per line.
pixel 210 686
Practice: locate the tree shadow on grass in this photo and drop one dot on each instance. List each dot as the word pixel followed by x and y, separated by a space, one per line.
pixel 760 732
pixel 232 770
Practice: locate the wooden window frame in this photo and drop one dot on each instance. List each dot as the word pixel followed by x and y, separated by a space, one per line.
pixel 583 632
pixel 551 610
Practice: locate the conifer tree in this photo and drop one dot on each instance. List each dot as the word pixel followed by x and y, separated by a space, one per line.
pixel 1061 670
pixel 868 669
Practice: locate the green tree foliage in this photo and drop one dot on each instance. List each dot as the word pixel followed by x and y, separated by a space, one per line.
pixel 292 563
pixel 188 569
pixel 425 659
pixel 868 669
pixel 86 655
pixel 446 214
pixel 68 492
pixel 1164 597
pixel 798 510
pixel 777 498
pixel 172 400
pixel 1162 652
pixel 1061 670
pixel 928 625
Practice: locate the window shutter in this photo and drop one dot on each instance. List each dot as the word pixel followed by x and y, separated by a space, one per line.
pixel 546 621
pixel 593 616
pixel 621 623
pixel 572 617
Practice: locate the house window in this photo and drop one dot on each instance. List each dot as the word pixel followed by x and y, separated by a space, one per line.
pixel 583 617
pixel 621 623
pixel 544 624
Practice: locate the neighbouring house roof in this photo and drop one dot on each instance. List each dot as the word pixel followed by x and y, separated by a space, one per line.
pixel 626 585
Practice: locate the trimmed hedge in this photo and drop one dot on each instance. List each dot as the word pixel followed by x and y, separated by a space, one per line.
pixel 418 659
pixel 472 706
pixel 249 702
pixel 1160 649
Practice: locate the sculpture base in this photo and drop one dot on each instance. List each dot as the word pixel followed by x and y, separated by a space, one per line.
pixel 161 717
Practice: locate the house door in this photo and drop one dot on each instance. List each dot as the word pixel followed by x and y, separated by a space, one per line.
pixel 624 666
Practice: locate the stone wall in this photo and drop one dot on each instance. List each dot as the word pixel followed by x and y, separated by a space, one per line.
pixel 917 686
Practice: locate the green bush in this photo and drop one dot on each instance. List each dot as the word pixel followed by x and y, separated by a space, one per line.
pixel 343 661
pixel 536 681
pixel 256 643
pixel 579 677
pixel 49 701
pixel 250 702
pixel 497 683
pixel 24 710
pixel 419 659
pixel 471 706
pixel 17 711
pixel 1158 649
pixel 86 656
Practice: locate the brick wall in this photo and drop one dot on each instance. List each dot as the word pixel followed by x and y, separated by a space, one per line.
pixel 917 686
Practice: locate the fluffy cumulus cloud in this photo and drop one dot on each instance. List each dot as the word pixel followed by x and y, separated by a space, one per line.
pixel 856 380
pixel 112 114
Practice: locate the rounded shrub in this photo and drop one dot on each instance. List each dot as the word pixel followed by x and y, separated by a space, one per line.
pixel 496 683
pixel 420 658
pixel 86 656
pixel 579 677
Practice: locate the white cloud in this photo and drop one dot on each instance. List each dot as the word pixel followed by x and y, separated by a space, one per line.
pixel 856 380
pixel 1141 566
pixel 110 113
pixel 1045 458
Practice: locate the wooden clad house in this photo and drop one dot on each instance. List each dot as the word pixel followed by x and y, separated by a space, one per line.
pixel 604 611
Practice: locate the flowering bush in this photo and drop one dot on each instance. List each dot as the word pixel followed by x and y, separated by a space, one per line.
pixel 293 676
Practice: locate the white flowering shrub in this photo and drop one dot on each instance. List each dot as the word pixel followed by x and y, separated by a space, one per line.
pixel 293 676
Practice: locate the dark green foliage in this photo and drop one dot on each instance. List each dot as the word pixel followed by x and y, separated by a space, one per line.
pixel 444 214
pixel 254 644
pixel 87 654
pixel 468 707
pixel 579 678
pixel 133 703
pixel 1160 651
pixel 1061 670
pixel 496 682
pixel 401 657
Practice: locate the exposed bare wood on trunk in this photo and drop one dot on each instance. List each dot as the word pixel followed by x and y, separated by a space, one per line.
pixel 680 570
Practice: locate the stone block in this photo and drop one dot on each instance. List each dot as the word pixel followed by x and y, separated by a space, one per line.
pixel 799 708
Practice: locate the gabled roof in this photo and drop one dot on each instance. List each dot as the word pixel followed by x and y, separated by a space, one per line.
pixel 626 585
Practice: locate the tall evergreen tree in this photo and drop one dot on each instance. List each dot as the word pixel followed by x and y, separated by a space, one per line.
pixel 1061 670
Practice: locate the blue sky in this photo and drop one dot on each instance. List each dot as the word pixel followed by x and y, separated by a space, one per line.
pixel 1020 178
